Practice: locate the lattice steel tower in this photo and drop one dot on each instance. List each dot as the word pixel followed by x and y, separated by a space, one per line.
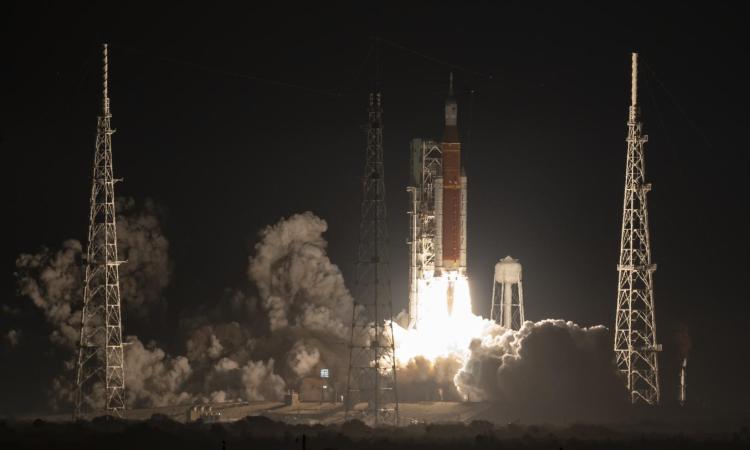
pixel 372 360
pixel 635 326
pixel 100 377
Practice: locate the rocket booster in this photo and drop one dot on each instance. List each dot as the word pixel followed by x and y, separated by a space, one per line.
pixel 453 243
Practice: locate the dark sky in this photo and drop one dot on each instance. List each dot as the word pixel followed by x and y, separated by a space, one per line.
pixel 225 153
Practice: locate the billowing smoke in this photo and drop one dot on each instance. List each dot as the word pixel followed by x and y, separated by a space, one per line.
pixel 145 249
pixel 252 344
pixel 421 379
pixel 53 280
pixel 298 284
pixel 549 370
pixel 12 337
pixel 293 320
pixel 296 325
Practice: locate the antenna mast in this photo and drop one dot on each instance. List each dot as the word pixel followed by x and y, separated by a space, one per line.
pixel 372 351
pixel 100 372
pixel 635 325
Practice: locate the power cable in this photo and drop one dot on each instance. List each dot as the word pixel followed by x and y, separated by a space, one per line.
pixel 231 73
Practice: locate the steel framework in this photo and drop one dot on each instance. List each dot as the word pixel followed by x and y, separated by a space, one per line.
pixel 635 326
pixel 427 166
pixel 372 354
pixel 100 372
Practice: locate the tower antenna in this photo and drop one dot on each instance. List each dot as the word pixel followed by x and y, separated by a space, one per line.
pixel 372 351
pixel 100 365
pixel 635 343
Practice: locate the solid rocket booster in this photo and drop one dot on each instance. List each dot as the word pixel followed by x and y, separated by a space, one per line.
pixel 453 244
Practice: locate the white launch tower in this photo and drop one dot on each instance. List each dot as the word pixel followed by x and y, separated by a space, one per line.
pixel 507 294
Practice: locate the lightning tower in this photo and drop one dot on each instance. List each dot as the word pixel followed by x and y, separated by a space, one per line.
pixel 635 326
pixel 372 360
pixel 100 372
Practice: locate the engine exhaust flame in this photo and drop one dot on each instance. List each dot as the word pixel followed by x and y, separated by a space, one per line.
pixel 446 324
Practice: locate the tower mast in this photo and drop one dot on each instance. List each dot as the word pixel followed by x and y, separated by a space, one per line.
pixel 100 366
pixel 635 326
pixel 372 353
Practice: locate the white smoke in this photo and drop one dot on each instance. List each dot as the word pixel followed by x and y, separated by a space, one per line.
pixel 53 280
pixel 548 370
pixel 255 345
pixel 13 337
pixel 215 349
pixel 298 284
pixel 142 244
pixel 295 325
pixel 261 383
pixel 302 358
pixel 152 378
pixel 225 365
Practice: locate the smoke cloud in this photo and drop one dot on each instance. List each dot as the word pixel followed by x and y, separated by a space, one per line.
pixel 53 280
pixel 250 345
pixel 298 284
pixel 423 379
pixel 143 245
pixel 293 319
pixel 549 370
pixel 12 337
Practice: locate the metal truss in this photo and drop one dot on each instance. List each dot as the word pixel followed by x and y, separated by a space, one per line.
pixel 100 371
pixel 635 343
pixel 426 164
pixel 372 354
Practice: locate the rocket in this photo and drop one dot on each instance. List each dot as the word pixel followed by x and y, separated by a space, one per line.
pixel 450 196
pixel 437 244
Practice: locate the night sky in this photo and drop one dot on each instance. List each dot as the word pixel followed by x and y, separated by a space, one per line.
pixel 231 118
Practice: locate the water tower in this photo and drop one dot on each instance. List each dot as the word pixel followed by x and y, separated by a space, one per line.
pixel 507 294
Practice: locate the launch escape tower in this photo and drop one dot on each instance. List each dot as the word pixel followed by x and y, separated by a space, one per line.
pixel 635 326
pixel 507 294
pixel 100 372
pixel 372 355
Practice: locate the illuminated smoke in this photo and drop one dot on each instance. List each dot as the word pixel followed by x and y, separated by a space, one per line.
pixel 13 337
pixel 550 370
pixel 294 319
pixel 53 280
pixel 145 249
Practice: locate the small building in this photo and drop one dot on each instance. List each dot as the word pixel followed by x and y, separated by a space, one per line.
pixel 205 412
pixel 291 398
pixel 315 389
